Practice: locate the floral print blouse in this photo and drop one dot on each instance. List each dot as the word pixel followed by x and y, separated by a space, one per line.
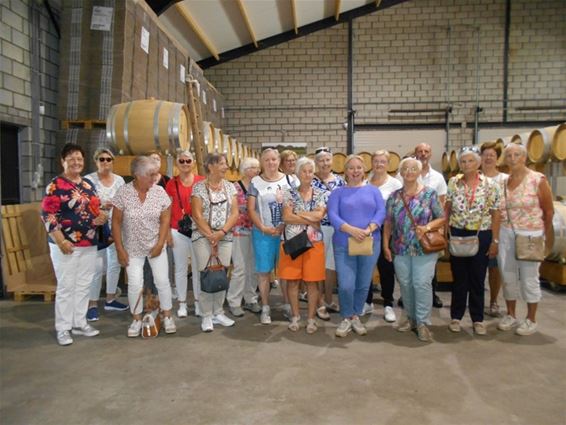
pixel 244 224
pixel 71 208
pixel 523 204
pixel 292 198
pixel 424 206
pixel 327 188
pixel 216 206
pixel 469 207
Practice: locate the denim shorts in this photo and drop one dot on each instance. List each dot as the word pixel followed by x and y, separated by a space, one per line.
pixel 266 251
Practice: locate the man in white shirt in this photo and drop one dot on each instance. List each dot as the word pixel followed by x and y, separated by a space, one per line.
pixel 435 180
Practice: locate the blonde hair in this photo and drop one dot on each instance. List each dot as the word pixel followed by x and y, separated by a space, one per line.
pixel 287 153
pixel 381 152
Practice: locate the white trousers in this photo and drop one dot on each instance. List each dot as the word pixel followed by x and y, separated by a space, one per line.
pixel 74 273
pixel 182 250
pixel 160 270
pixel 211 304
pixel 520 278
pixel 106 261
pixel 243 281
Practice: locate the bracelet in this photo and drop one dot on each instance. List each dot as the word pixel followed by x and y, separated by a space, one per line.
pixel 224 231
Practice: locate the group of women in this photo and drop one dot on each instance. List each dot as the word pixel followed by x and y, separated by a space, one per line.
pixel 342 229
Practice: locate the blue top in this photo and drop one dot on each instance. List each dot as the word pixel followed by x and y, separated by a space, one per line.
pixel 357 206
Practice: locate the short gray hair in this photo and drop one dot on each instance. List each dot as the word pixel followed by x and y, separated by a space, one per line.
pixel 186 153
pixel 381 152
pixel 521 147
pixel 470 150
pixel 248 162
pixel 411 158
pixel 303 161
pixel 142 165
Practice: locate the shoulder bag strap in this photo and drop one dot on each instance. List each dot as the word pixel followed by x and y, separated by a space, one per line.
pixel 241 183
pixel 179 195
pixel 139 299
pixel 507 206
pixel 408 211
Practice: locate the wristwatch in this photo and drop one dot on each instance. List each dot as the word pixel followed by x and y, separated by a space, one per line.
pixel 495 241
pixel 428 228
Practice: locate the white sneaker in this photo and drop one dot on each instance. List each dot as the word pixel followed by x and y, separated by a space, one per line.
pixel 479 328
pixel 389 314
pixel 358 326
pixel 344 328
pixel 368 309
pixel 182 312
pixel 206 324
pixel 455 326
pixel 223 320
pixel 169 325
pixel 197 309
pixel 86 330
pixel 64 338
pixel 506 323
pixel 135 329
pixel 265 318
pixel 526 328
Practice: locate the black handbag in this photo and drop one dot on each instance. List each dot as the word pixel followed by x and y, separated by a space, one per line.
pixel 297 245
pixel 214 277
pixel 185 224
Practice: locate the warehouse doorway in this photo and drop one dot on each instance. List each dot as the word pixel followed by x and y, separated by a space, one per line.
pixel 10 161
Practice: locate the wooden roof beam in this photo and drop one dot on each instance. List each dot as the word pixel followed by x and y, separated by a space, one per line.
pixel 377 3
pixel 294 14
pixel 191 22
pixel 247 21
pixel 337 10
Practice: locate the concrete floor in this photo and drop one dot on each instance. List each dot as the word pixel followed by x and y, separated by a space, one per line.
pixel 253 374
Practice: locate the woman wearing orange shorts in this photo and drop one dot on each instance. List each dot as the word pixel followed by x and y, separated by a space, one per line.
pixel 304 207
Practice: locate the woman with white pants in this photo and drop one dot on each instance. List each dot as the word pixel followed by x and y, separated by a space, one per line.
pixel 107 184
pixel 140 227
pixel 70 210
pixel 179 189
pixel 243 281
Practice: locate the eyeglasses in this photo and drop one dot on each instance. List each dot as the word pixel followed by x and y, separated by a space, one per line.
pixel 185 161
pixel 411 169
pixel 322 149
pixel 105 159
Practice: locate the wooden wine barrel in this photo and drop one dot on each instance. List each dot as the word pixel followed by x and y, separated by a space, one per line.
pixel 338 160
pixel 141 126
pixel 232 175
pixel 454 166
pixel 227 150
pixel 237 153
pixel 394 160
pixel 208 136
pixel 558 251
pixel 521 139
pixel 218 140
pixel 366 156
pixel 502 142
pixel 539 144
pixel 445 161
pixel 559 143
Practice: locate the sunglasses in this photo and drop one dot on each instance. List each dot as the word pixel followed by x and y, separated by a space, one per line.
pixel 185 161
pixel 473 149
pixel 322 149
pixel 105 159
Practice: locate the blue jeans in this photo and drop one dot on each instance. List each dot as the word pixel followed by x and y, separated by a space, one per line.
pixel 415 274
pixel 354 277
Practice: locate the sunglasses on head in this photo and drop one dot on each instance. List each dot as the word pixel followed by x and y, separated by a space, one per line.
pixel 185 161
pixel 473 149
pixel 322 149
pixel 105 159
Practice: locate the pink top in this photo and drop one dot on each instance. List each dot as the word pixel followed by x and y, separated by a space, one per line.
pixel 523 203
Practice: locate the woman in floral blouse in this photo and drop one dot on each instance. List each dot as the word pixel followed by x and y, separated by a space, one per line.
pixel 472 208
pixel 414 269
pixel 243 281
pixel 71 213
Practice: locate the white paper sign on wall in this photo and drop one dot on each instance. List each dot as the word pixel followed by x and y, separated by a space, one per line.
pixel 214 105
pixel 165 58
pixel 145 40
pixel 182 73
pixel 101 19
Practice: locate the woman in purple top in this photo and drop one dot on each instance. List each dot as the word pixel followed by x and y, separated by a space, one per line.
pixel 355 211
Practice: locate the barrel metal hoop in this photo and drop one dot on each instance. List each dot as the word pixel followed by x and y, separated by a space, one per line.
pixel 156 125
pixel 110 126
pixel 126 119
pixel 174 128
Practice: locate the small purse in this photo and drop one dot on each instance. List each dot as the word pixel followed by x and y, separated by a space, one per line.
pixel 527 248
pixel 356 247
pixel 214 278
pixel 433 241
pixel 151 323
pixel 185 224
pixel 463 246
pixel 297 245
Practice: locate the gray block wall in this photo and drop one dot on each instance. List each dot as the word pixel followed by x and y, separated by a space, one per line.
pixel 16 90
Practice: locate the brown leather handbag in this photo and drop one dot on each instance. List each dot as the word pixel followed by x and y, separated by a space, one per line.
pixel 432 241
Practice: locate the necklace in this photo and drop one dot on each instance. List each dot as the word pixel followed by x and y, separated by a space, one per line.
pixel 216 187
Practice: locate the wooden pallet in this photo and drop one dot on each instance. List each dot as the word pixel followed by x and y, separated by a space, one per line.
pixel 16 244
pixel 86 124
pixel 48 295
pixel 554 273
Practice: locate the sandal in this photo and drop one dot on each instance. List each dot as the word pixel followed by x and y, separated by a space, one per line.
pixel 294 325
pixel 322 314
pixel 311 326
pixel 333 308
